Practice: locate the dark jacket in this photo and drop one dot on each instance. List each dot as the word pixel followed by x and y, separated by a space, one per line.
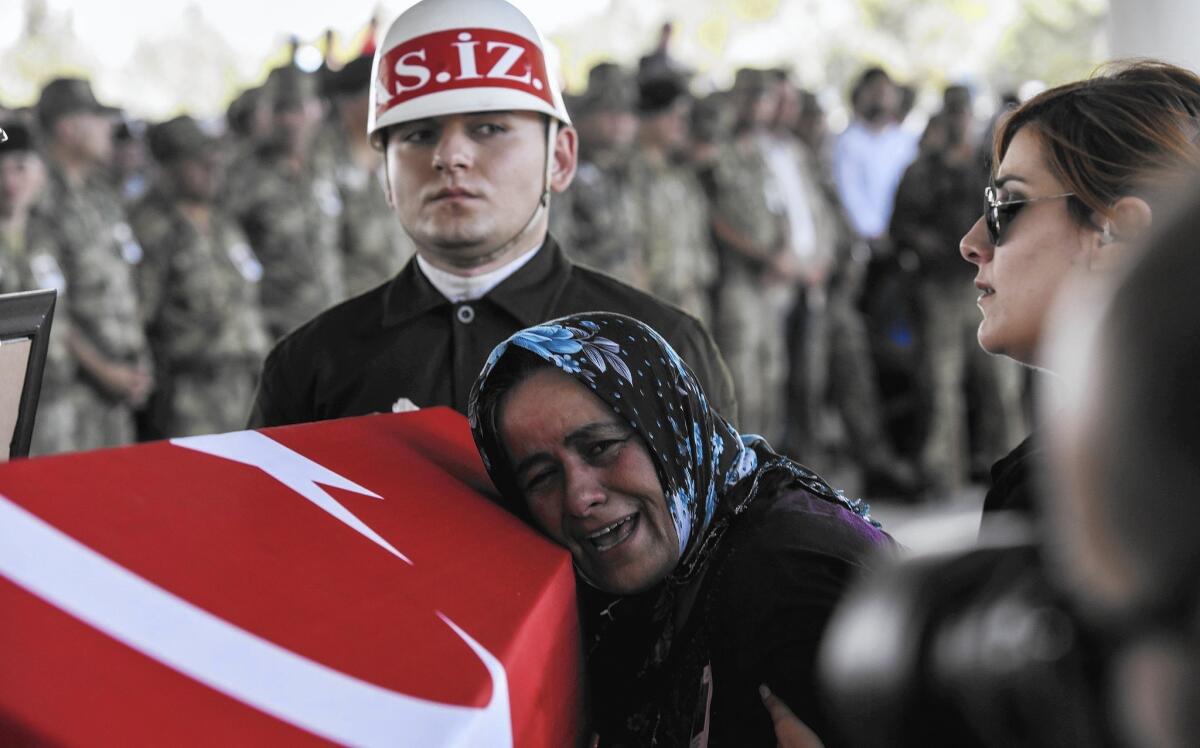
pixel 405 340
pixel 1014 487
pixel 758 617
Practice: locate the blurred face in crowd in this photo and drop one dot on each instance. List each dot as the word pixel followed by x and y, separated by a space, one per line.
pixel 1040 247
pixel 787 115
pixel 610 129
pixel 199 178
pixel 129 156
pixel 878 100
pixel 86 136
pixel 810 126
pixel 296 123
pixel 589 482
pixel 956 108
pixel 670 128
pixel 262 119
pixel 464 185
pixel 353 110
pixel 22 176
pixel 764 107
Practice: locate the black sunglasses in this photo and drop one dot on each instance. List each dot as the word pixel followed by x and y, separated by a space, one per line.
pixel 997 213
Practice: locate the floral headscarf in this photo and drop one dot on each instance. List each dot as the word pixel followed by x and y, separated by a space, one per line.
pixel 709 475
pixel 698 455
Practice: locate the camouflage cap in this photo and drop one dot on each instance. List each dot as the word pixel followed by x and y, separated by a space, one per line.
pixel 179 138
pixel 610 89
pixel 63 96
pixel 289 86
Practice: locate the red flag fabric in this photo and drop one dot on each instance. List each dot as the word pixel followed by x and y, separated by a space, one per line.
pixel 345 581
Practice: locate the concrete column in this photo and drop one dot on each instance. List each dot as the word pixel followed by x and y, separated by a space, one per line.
pixel 1164 29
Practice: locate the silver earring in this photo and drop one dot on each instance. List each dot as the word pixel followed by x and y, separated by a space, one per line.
pixel 1106 235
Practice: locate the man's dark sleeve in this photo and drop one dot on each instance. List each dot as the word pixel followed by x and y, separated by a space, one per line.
pixel 272 398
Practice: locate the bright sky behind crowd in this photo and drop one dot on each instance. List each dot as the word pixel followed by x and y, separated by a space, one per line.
pixel 247 24
pixel 158 58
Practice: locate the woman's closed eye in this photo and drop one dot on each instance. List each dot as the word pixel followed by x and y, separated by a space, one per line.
pixel 538 479
pixel 603 448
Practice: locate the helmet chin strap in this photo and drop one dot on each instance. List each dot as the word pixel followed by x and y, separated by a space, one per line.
pixel 543 201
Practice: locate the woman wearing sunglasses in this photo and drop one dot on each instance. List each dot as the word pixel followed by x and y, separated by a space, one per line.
pixel 1082 171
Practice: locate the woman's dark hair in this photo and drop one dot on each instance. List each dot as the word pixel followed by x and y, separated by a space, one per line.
pixel 1129 129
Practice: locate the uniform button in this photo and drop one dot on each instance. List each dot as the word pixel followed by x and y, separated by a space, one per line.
pixel 466 314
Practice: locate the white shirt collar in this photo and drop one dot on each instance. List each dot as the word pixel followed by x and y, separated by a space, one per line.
pixel 459 288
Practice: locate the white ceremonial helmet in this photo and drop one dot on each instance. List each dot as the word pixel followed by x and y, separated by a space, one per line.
pixel 443 57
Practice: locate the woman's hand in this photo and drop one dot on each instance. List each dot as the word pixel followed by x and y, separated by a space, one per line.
pixel 790 732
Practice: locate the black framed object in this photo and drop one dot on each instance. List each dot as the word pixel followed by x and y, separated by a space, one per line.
pixel 25 319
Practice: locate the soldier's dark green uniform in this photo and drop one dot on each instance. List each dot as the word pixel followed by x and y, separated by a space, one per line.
pixel 596 219
pixel 85 229
pixel 673 227
pixel 199 283
pixel 291 212
pixel 752 304
pixel 27 267
pixel 98 253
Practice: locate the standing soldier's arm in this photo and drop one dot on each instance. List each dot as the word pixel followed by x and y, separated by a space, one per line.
pixel 128 382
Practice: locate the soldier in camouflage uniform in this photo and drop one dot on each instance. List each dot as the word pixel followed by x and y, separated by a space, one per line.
pixel 290 209
pixel 671 208
pixel 98 253
pixel 24 267
pixel 760 270
pixel 199 284
pixel 249 124
pixel 595 219
pixel 374 245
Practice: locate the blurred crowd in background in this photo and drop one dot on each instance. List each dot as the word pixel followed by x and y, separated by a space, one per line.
pixel 827 266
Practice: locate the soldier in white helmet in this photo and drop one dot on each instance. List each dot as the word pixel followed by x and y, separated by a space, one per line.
pixel 475 139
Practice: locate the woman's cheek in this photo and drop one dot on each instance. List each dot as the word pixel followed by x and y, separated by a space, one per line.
pixel 547 518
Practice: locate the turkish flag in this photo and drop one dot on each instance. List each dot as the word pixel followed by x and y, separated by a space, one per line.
pixel 343 581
